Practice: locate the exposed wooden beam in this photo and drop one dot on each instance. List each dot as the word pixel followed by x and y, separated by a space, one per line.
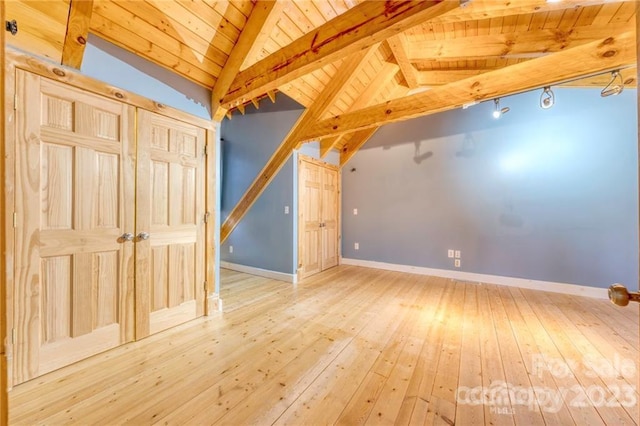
pixel 485 9
pixel 262 18
pixel 398 46
pixel 589 59
pixel 527 44
pixel 362 26
pixel 355 142
pixel 344 76
pixel 380 81
pixel 78 25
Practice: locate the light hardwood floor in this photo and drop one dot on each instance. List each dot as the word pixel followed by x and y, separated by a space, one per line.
pixel 355 345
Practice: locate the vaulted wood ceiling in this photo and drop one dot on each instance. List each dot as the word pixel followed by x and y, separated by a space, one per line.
pixel 354 64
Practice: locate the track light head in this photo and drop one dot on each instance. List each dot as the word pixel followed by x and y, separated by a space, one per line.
pixel 497 112
pixel 547 98
pixel 613 89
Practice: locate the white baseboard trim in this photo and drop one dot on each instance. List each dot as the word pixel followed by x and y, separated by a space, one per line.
pixel 578 290
pixel 214 303
pixel 274 275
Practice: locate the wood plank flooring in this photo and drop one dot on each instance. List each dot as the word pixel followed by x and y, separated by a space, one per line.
pixel 354 345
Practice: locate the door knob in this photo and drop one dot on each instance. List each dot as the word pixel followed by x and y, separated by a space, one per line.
pixel 619 295
pixel 128 236
pixel 142 236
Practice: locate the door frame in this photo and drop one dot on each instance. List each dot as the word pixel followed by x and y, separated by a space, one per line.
pixel 300 199
pixel 14 60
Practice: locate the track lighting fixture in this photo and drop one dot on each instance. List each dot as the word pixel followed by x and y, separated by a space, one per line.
pixel 547 98
pixel 497 112
pixel 613 89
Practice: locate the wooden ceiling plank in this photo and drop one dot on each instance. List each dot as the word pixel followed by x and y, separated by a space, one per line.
pixel 479 9
pixel 442 77
pixel 529 44
pixel 377 85
pixel 617 51
pixel 397 44
pixel 356 142
pixel 77 34
pixel 129 16
pixel 263 36
pixel 625 14
pixel 182 24
pixel 385 75
pixel 108 30
pixel 230 12
pixel 264 13
pixel 310 115
pixel 358 28
pixel 214 23
pixel 587 15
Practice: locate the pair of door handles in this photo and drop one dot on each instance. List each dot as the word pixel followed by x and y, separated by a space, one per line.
pixel 130 237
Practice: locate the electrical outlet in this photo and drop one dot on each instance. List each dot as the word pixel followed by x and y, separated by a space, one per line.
pixel 356 246
pixel 457 254
pixel 230 249
pixel 286 209
pixel 450 253
pixel 456 263
pixel 355 212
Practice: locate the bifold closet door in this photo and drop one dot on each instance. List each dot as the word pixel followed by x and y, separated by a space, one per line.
pixel 309 205
pixel 74 201
pixel 330 195
pixel 169 237
pixel 318 198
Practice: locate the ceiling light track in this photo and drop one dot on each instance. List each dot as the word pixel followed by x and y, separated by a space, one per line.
pixel 613 89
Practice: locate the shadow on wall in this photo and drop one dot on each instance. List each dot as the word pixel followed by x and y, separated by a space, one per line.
pixel 547 195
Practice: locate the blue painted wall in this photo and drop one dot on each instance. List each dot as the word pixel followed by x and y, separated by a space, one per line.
pixel 547 195
pixel 108 63
pixel 265 237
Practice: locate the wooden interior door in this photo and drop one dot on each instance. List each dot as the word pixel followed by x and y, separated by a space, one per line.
pixel 309 211
pixel 74 199
pixel 318 201
pixel 329 227
pixel 170 209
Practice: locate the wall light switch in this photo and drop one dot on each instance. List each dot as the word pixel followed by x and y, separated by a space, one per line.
pixel 457 254
pixel 356 246
pixel 450 254
pixel 286 209
pixel 230 249
pixel 355 212
pixel 456 263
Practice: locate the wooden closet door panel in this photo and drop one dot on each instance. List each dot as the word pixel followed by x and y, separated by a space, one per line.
pixel 170 264
pixel 74 199
pixel 329 209
pixel 309 201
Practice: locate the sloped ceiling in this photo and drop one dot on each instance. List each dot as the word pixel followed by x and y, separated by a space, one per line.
pixel 355 65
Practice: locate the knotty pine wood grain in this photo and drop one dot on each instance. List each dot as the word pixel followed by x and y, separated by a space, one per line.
pixel 4 215
pixel 349 345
